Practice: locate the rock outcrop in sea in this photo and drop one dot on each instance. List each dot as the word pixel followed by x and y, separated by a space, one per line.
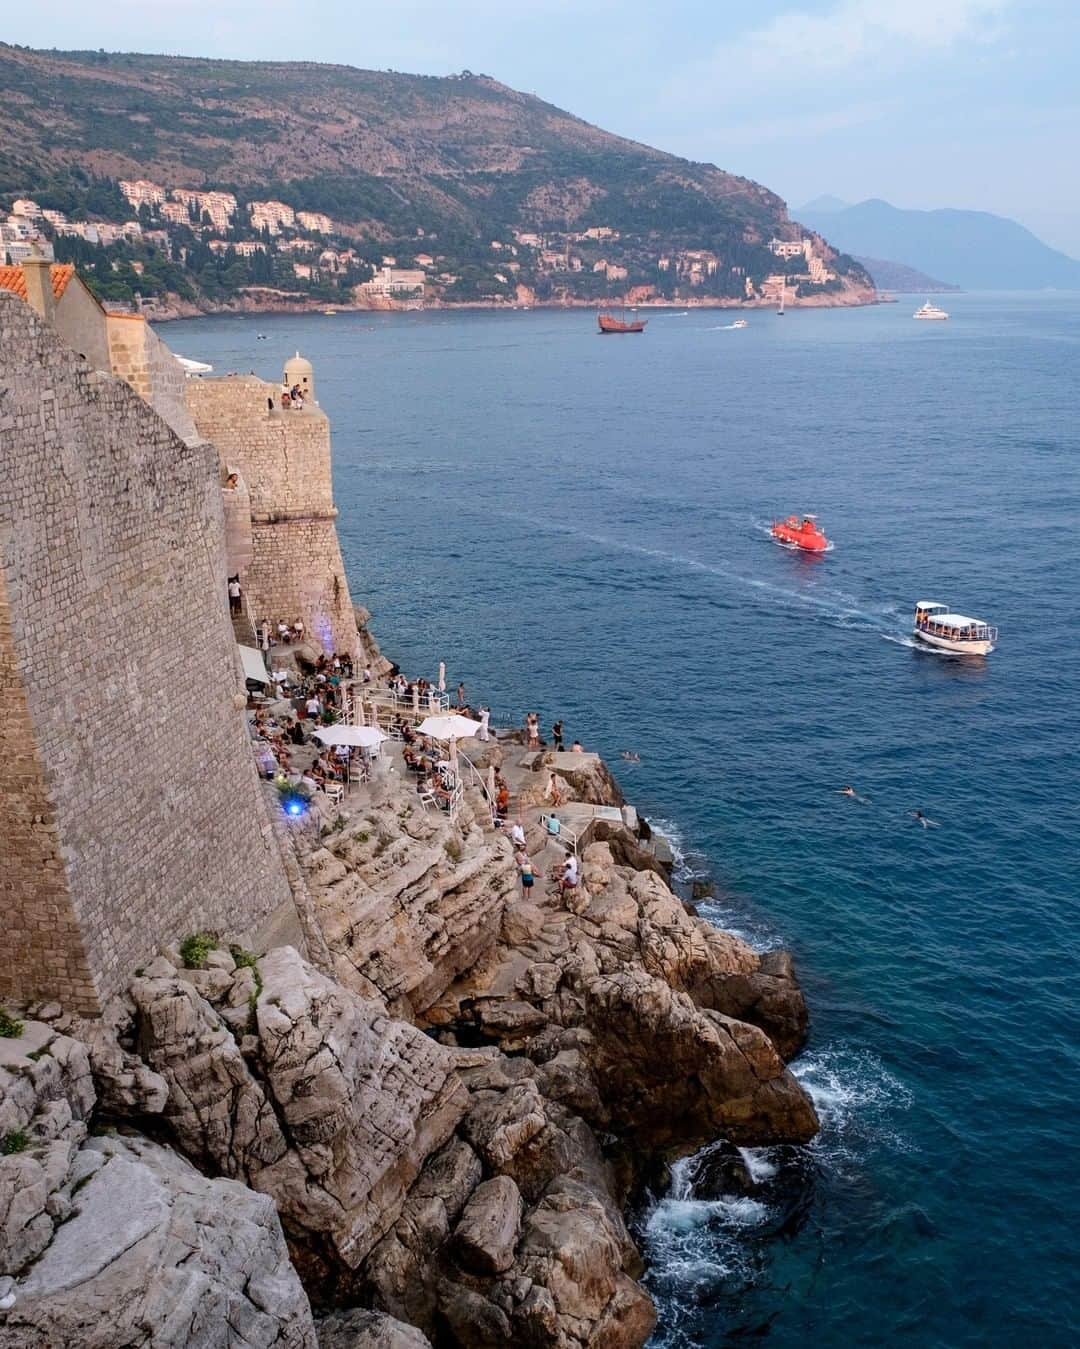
pixel 432 1129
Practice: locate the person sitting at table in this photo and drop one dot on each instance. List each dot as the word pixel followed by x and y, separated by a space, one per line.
pixel 283 631
pixel 443 794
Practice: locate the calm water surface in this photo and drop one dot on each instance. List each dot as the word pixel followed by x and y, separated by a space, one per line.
pixel 579 525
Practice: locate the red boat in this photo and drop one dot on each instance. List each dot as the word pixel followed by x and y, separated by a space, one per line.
pixel 800 532
pixel 612 325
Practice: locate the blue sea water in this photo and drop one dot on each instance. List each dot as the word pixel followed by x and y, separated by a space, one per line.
pixel 578 525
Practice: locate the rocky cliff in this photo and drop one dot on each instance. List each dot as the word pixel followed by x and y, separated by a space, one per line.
pixel 435 1134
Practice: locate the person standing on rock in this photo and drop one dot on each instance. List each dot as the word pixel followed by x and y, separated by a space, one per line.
pixel 525 870
pixel 485 717
pixel 532 726
pixel 461 694
pixel 556 735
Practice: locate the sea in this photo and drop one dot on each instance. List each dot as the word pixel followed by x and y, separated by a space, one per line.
pixel 579 525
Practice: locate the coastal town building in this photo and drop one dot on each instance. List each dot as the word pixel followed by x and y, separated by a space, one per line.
pixel 314 222
pixel 391 282
pixel 787 248
pixel 272 216
pixel 141 192
pixel 219 208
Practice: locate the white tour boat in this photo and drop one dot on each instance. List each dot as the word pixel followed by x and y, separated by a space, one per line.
pixel 929 311
pixel 935 625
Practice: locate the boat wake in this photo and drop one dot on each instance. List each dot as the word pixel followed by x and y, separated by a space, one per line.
pixel 835 606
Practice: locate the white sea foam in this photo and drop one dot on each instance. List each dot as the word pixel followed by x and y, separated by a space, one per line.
pixel 759 1163
pixel 682 868
pixel 857 1100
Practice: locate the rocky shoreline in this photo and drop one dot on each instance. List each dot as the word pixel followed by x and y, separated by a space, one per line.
pixel 183 309
pixel 431 1127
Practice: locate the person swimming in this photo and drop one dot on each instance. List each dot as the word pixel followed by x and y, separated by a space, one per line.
pixel 631 756
pixel 926 824
pixel 848 790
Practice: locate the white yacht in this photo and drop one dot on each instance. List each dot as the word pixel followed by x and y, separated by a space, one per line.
pixel 937 626
pixel 929 311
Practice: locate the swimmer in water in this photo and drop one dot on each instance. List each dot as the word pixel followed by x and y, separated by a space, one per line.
pixel 850 791
pixel 630 756
pixel 926 824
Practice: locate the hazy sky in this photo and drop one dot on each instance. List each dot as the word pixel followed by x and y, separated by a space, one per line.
pixel 926 103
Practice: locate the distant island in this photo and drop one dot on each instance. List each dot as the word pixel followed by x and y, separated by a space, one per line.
pixel 908 280
pixel 189 185
pixel 972 249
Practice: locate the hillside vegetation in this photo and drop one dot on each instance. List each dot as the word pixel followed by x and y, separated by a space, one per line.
pixel 400 163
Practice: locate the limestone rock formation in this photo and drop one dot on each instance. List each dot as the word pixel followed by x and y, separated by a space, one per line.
pixel 156 1254
pixel 326 1105
pixel 113 1240
pixel 46 1095
pixel 358 1328
pixel 406 900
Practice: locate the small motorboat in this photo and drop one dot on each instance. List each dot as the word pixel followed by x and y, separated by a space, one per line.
pixel 936 626
pixel 800 531
pixel 740 323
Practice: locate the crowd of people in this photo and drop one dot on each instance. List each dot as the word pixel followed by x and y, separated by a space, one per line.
pixel 315 694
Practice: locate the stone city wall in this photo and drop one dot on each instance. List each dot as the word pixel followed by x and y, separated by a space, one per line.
pixel 139 356
pixel 284 464
pixel 139 813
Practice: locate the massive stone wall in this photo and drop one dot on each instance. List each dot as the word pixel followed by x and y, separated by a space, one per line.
pixel 139 356
pixel 131 807
pixel 283 460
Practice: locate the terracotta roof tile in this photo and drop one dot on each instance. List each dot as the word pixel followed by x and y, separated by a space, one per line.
pixel 12 279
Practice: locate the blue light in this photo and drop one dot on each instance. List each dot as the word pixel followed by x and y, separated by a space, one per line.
pixel 294 806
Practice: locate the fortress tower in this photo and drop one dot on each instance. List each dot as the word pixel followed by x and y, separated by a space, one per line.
pixel 281 516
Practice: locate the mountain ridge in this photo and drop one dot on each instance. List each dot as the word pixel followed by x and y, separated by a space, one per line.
pixel 975 249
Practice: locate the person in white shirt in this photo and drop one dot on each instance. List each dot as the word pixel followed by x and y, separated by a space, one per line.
pixel 234 595
pixel 482 733
pixel 569 878
pixel 313 707
pixel 517 834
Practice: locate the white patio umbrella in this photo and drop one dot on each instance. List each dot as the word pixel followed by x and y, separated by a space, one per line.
pixel 363 737
pixel 415 701
pixel 453 755
pixel 491 787
pixel 448 725
pixel 442 676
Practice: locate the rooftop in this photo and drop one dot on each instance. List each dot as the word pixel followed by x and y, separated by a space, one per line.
pixel 12 279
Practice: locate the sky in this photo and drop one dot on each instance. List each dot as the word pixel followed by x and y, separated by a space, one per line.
pixel 925 103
